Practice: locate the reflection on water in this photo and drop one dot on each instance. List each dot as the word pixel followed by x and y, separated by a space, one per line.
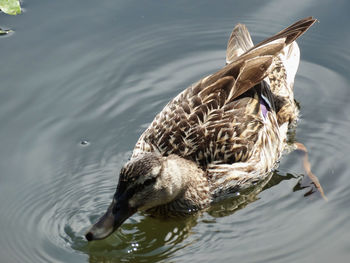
pixel 148 239
pixel 78 90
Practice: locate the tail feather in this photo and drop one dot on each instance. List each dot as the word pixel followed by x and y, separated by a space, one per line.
pixel 238 43
pixel 272 46
pixel 292 32
pixel 290 57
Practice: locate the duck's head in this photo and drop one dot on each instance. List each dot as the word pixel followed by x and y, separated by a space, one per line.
pixel 144 182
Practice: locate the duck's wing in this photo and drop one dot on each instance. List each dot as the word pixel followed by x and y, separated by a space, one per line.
pixel 238 43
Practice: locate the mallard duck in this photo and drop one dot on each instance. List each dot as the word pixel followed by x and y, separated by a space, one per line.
pixel 221 135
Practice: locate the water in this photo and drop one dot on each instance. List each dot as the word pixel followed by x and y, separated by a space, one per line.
pixel 80 81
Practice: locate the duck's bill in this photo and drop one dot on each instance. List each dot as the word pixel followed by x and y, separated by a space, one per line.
pixel 117 213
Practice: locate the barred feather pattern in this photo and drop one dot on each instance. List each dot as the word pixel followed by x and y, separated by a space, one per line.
pixel 281 82
pixel 230 139
pixel 217 122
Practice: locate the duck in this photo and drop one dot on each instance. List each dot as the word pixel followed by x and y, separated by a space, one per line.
pixel 221 135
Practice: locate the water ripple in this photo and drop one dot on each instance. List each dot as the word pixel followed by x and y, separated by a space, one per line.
pixel 54 211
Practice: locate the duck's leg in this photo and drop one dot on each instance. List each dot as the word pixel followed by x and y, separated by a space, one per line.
pixel 301 147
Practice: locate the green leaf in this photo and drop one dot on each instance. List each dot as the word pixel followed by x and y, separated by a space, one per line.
pixel 4 31
pixel 11 7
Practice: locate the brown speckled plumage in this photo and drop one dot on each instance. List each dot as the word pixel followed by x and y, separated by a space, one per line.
pixel 217 122
pixel 223 134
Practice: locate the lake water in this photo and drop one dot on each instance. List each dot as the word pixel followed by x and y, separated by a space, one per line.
pixel 81 80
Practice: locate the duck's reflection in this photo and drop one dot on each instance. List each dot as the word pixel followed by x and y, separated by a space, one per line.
pixel 148 239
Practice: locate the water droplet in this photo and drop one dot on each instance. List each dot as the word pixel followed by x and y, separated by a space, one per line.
pixel 84 143
pixel 5 31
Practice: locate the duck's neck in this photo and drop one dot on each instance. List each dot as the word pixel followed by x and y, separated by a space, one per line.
pixel 189 184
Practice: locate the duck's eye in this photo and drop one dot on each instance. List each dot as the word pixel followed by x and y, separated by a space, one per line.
pixel 149 181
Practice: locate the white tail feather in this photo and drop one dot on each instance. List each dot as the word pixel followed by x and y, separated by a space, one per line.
pixel 290 57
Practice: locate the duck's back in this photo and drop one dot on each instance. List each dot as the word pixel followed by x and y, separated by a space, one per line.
pixel 205 126
pixel 233 118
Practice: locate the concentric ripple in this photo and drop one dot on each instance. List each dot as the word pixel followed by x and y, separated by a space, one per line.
pixel 54 214
pixel 84 144
pixel 55 211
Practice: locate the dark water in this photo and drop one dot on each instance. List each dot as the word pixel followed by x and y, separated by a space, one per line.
pixel 99 71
